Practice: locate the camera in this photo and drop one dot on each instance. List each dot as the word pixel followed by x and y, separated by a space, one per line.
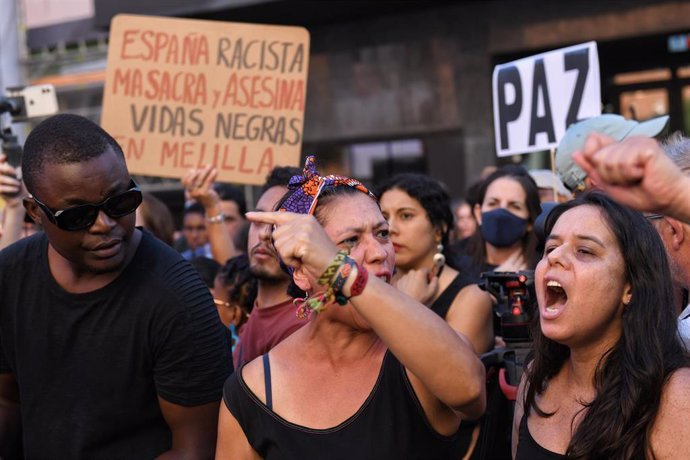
pixel 23 104
pixel 515 302
pixel 30 102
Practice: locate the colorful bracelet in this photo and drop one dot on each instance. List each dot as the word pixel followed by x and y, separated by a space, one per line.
pixel 360 281
pixel 336 275
pixel 328 274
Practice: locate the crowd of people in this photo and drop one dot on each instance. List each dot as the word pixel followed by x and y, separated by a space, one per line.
pixel 334 321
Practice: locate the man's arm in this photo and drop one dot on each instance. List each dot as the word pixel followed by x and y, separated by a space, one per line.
pixel 10 418
pixel 637 173
pixel 12 191
pixel 199 185
pixel 193 430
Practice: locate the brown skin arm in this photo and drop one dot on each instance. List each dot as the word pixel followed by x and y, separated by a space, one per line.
pixel 193 430
pixel 232 442
pixel 10 418
pixel 198 183
pixel 471 314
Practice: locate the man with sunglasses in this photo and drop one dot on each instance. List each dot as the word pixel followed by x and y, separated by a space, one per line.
pixel 110 344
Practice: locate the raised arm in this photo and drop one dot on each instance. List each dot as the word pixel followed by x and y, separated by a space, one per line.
pixel 12 191
pixel 444 361
pixel 636 173
pixel 198 183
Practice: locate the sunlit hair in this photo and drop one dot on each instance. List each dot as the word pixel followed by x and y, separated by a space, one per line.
pixel 630 376
pixel 677 147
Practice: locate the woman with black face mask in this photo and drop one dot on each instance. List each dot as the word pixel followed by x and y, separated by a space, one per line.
pixel 506 210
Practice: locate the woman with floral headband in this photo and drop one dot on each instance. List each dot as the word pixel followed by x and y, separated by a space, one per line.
pixel 354 382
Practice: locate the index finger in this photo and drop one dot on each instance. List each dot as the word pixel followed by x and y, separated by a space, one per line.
pixel 270 217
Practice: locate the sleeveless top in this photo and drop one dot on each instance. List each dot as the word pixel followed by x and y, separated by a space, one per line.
pixel 528 449
pixel 389 425
pixel 445 300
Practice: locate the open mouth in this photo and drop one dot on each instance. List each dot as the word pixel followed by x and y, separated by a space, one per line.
pixel 555 294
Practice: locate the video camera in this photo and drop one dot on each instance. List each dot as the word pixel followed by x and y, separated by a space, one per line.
pixel 515 302
pixel 23 104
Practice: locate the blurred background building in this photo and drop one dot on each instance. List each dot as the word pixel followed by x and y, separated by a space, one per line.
pixel 393 85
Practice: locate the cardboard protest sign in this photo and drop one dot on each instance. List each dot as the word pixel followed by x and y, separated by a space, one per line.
pixel 536 98
pixel 182 93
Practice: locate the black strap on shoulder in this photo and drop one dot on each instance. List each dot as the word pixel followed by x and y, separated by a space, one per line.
pixel 445 300
pixel 267 381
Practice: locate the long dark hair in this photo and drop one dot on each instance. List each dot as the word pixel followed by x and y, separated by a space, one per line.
pixel 477 248
pixel 630 376
pixel 431 195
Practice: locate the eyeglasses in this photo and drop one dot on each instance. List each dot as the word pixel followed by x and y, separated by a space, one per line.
pixel 85 215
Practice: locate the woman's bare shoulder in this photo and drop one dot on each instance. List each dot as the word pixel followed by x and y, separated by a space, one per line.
pixel 670 435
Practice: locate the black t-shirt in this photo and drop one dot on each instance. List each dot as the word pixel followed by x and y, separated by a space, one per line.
pixel 390 425
pixel 90 367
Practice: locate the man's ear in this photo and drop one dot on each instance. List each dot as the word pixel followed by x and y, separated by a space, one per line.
pixel 32 210
pixel 301 280
pixel 677 232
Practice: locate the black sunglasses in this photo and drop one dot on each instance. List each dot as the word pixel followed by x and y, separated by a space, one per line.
pixel 84 215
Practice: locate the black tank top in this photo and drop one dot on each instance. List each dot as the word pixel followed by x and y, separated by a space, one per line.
pixel 445 300
pixel 528 449
pixel 389 425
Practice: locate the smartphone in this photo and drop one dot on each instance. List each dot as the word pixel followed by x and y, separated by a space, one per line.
pixel 33 102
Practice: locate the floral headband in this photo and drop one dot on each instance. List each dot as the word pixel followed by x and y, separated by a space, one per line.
pixel 307 188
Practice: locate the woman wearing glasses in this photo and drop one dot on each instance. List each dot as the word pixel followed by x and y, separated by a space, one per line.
pixel 354 382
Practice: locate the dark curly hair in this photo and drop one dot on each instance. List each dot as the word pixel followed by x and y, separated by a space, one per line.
pixel 239 282
pixel 630 376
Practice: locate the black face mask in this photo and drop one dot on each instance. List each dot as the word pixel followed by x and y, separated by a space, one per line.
pixel 502 228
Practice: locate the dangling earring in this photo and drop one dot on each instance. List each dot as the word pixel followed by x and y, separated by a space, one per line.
pixel 439 259
pixel 302 311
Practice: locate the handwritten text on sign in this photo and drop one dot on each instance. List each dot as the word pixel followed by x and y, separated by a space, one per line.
pixel 183 93
pixel 536 99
